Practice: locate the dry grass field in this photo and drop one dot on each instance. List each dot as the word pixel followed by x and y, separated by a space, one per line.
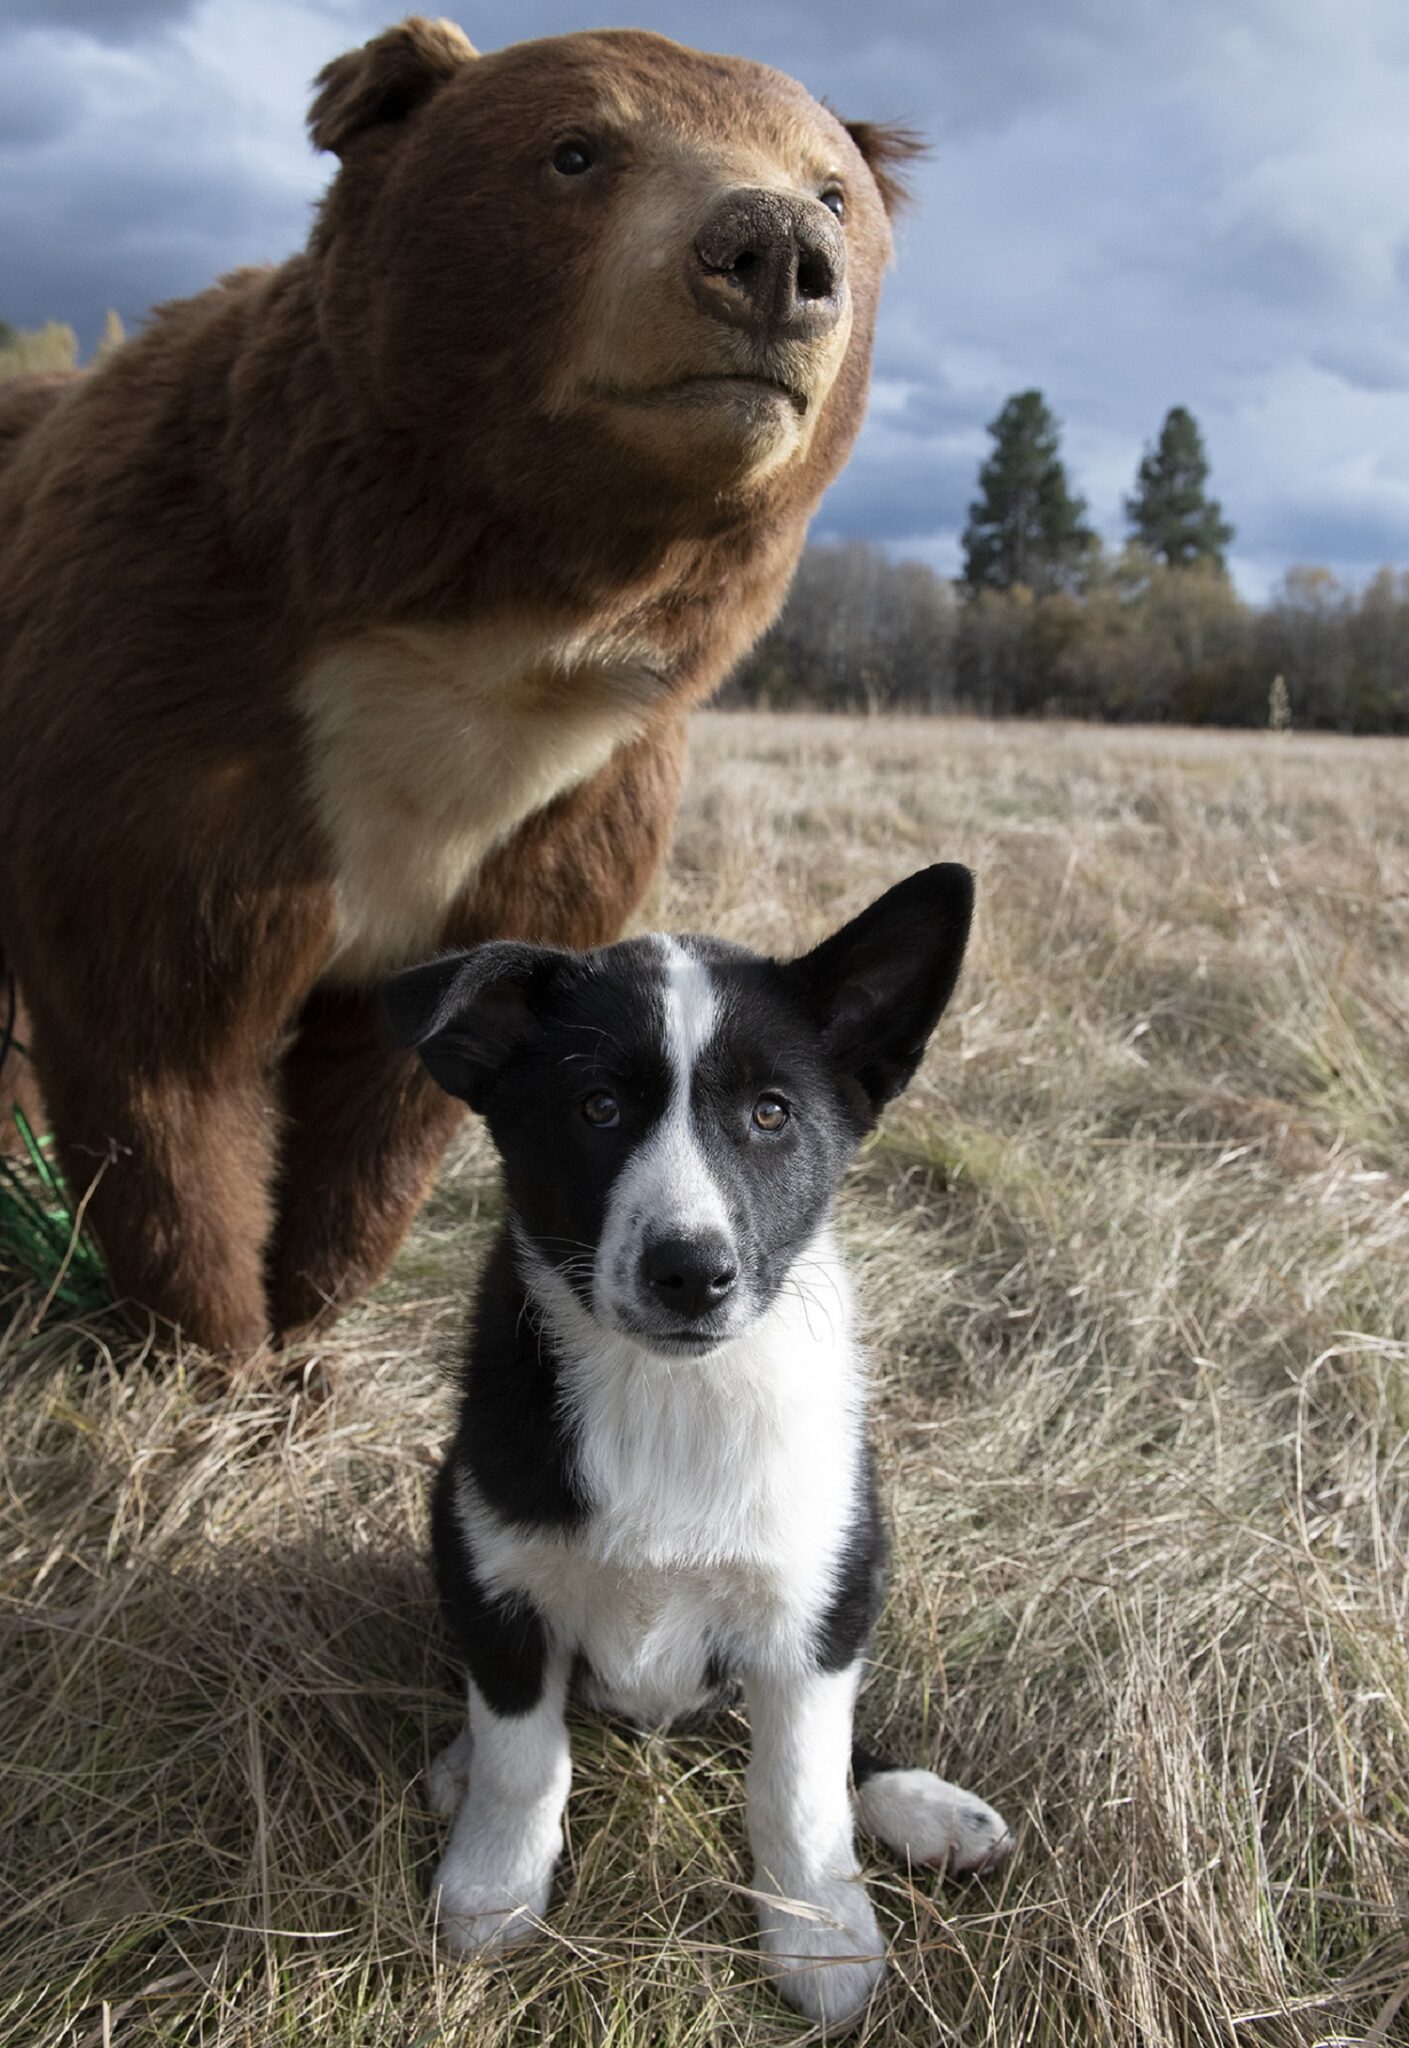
pixel 1135 1255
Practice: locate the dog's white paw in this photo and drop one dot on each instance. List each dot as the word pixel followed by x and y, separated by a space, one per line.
pixel 927 1821
pixel 478 1913
pixel 824 1951
pixel 448 1779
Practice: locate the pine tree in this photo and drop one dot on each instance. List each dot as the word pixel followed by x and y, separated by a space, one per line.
pixel 1171 512
pixel 1026 527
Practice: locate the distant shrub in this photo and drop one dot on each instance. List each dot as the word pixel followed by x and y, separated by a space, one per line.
pixel 114 334
pixel 28 351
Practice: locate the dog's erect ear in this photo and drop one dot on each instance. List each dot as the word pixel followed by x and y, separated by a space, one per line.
pixel 385 81
pixel 878 987
pixel 888 149
pixel 468 1013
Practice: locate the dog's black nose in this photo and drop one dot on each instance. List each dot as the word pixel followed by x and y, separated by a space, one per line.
pixel 689 1275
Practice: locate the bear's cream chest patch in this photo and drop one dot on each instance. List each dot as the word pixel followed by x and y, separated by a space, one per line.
pixel 428 747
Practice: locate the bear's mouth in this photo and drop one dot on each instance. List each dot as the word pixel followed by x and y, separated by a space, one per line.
pixel 712 384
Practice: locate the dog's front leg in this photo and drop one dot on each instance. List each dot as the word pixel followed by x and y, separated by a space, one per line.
pixel 491 1889
pixel 818 1931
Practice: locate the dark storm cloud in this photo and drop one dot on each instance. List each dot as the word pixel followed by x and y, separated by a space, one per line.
pixel 35 107
pixel 893 497
pixel 930 409
pixel 1129 205
pixel 110 21
pixel 1359 532
pixel 135 222
pixel 1367 365
pixel 1269 264
pixel 127 181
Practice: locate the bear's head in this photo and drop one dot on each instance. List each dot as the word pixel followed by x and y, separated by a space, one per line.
pixel 603 264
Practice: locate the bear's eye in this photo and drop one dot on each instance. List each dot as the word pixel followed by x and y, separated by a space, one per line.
pixel 770 1113
pixel 601 1109
pixel 571 159
pixel 834 199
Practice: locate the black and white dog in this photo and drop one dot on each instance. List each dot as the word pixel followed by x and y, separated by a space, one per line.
pixel 660 1486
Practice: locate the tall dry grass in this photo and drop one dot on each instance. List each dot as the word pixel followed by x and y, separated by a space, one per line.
pixel 1135 1251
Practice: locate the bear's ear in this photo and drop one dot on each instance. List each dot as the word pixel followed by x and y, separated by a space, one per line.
pixel 877 988
pixel 888 148
pixel 468 1013
pixel 385 80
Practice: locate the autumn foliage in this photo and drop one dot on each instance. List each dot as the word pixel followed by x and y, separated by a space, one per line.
pixel 1138 640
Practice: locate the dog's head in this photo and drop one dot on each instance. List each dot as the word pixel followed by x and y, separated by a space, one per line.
pixel 673 1114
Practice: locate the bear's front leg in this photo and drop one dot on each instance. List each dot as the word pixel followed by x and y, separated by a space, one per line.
pixel 19 1082
pixel 155 1029
pixel 491 1890
pixel 176 1166
pixel 818 1932
pixel 364 1129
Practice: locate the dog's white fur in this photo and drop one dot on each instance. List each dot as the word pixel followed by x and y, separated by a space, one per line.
pixel 726 1487
pixel 723 1489
pixel 667 1189
pixel 492 1885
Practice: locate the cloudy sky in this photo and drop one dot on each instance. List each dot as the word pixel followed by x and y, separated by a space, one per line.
pixel 1131 203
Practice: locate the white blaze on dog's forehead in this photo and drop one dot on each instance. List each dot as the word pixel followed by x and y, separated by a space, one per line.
pixel 691 1014
pixel 677 1191
pixel 666 1189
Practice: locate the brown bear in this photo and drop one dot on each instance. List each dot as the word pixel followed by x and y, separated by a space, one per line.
pixel 356 607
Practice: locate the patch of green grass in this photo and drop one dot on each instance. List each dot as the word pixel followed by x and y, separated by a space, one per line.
pixel 42 1239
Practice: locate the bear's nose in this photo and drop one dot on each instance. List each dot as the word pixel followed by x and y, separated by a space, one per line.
pixel 689 1275
pixel 771 263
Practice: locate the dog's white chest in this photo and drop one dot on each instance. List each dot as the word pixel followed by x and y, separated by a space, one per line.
pixel 647 1633
pixel 429 746
pixel 722 1493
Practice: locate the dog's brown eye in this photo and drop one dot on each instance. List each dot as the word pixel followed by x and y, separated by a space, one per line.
pixel 770 1113
pixel 571 159
pixel 601 1110
pixel 834 199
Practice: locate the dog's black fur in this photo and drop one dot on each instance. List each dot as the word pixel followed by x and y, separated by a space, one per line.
pixel 673 1117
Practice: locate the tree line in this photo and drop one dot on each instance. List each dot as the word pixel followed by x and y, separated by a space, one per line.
pixel 1045 620
pixel 1139 640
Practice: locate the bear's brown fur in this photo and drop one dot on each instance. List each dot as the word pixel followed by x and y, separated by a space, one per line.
pixel 354 609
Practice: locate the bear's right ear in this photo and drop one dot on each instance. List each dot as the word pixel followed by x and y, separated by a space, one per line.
pixel 889 150
pixel 468 1013
pixel 385 80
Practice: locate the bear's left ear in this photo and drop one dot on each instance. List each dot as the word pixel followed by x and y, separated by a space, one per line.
pixel 386 80
pixel 888 148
